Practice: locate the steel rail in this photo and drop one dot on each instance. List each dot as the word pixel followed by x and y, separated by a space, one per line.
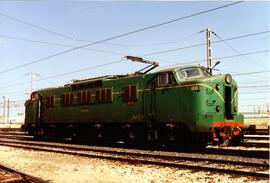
pixel 257 132
pixel 236 152
pixel 209 150
pixel 154 162
pixel 24 176
pixel 126 152
pixel 254 137
pixel 255 144
pixel 222 161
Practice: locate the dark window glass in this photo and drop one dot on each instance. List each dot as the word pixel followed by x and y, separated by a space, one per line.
pixel 108 95
pixel 133 92
pixel 126 93
pixel 48 101
pixel 79 98
pixel 83 97
pixel 88 97
pixel 98 95
pixel 62 99
pixel 103 95
pixel 130 93
pixel 71 98
pixel 52 101
pixel 67 99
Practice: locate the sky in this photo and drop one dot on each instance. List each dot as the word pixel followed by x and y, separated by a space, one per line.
pixel 31 31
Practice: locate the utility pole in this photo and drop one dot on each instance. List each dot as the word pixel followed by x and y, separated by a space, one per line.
pixel 32 79
pixel 8 111
pixel 209 51
pixel 4 108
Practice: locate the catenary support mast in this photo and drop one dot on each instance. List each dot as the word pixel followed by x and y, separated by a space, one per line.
pixel 209 51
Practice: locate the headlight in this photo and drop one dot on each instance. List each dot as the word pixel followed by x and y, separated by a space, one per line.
pixel 217 86
pixel 228 78
pixel 235 109
pixel 217 108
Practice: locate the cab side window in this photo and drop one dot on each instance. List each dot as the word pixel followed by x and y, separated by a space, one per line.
pixel 166 78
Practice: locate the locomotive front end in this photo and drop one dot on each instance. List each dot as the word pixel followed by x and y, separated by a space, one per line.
pixel 227 124
pixel 214 104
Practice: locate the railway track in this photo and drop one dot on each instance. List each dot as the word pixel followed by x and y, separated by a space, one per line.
pixel 256 141
pixel 244 167
pixel 257 132
pixel 254 153
pixel 257 153
pixel 255 144
pixel 257 137
pixel 9 175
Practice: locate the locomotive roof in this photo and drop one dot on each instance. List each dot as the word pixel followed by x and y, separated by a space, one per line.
pixel 178 67
pixel 96 80
pixel 107 77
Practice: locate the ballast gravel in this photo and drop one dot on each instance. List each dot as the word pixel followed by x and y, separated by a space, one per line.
pixel 55 167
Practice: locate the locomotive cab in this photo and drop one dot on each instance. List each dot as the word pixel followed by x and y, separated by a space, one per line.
pixel 33 111
pixel 214 103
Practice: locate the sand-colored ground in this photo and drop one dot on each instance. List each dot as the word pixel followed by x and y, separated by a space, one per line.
pixel 4 125
pixel 261 123
pixel 61 168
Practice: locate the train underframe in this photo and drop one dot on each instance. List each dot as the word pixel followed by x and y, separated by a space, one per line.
pixel 135 134
pixel 226 135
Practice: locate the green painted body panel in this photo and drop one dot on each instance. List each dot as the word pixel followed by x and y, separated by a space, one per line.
pixel 173 103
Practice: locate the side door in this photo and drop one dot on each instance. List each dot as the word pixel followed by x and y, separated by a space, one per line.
pixel 33 109
pixel 149 100
pixel 166 97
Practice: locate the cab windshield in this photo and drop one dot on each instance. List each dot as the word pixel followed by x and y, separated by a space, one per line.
pixel 191 72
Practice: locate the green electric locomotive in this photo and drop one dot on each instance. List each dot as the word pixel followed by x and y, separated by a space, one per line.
pixel 180 106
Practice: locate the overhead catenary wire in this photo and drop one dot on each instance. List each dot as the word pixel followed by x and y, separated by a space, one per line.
pixel 89 68
pixel 53 32
pixel 168 42
pixel 195 61
pixel 97 66
pixel 187 47
pixel 216 58
pixel 257 81
pixel 256 92
pixel 263 98
pixel 60 44
pixel 235 50
pixel 90 49
pixel 251 73
pixel 203 44
pixel 120 35
pixel 255 86
pixel 63 74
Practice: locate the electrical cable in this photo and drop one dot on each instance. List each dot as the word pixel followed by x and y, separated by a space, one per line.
pixel 250 73
pixel 202 44
pixel 217 58
pixel 235 50
pixel 118 36
pixel 59 44
pixel 63 74
pixel 53 32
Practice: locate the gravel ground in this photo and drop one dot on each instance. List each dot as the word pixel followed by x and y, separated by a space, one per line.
pixel 6 177
pixel 261 123
pixel 8 126
pixel 68 168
